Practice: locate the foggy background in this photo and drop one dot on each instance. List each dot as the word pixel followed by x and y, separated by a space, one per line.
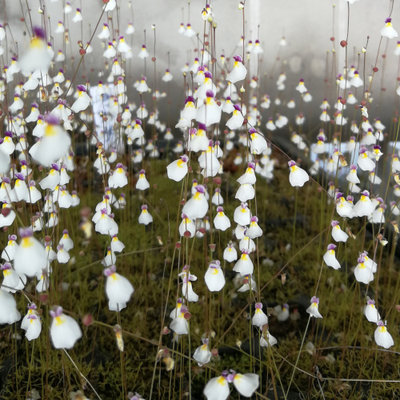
pixel 307 26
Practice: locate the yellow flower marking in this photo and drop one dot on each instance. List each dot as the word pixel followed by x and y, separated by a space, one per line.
pixel 37 43
pixel 221 380
pixel 26 242
pixel 50 130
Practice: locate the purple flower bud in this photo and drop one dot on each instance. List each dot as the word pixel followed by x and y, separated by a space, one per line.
pixel 388 20
pixel 361 258
pixel 331 246
pixel 39 32
pixel 109 271
pixel 189 99
pixel 365 193
pixel 291 163
pixel 184 158
pixel 56 312
pixel 144 207
pixel 200 189
pixel 315 299
pixel 5 266
pixel 339 195
pixel 363 150
pixel 220 209
pixel 52 119
pixel 369 302
pixel 25 232
pixel 210 93
pixel 20 177
pixel 334 223
pixel 238 58
pixel 258 306
pixel 138 122
pixel 208 75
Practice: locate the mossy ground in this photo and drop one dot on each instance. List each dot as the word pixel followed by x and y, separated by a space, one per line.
pixel 343 339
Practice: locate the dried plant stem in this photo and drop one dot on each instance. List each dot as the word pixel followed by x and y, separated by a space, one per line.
pixel 81 374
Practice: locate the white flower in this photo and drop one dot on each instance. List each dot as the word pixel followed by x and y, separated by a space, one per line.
pixel 53 145
pixel 217 389
pixel 145 217
pixel 266 339
pixel 214 277
pixel 388 30
pixel 330 257
pixel 371 313
pixel 178 169
pixel 259 318
pixel 301 88
pixel 382 336
pixel 202 354
pixel 230 253
pixel 142 183
pixel 64 330
pixel 246 384
pixel 221 221
pixel 337 234
pixel 244 265
pixel 242 215
pixel 238 72
pixel 313 309
pixel 37 57
pixel 118 178
pixel 8 308
pixel 83 100
pixel 297 177
pixel 30 256
pixel 197 205
pixel 118 289
pixel 362 272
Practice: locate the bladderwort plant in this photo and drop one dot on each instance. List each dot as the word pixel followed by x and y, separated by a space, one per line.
pixel 197 219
